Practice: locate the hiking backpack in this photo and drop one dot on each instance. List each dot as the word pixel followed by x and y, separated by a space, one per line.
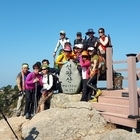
pixel 55 82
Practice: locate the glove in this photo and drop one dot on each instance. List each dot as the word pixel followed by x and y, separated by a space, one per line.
pixel 20 93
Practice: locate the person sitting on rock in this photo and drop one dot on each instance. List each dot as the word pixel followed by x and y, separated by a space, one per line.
pixel 33 79
pixel 85 65
pixel 46 91
pixel 20 80
pixel 92 82
pixel 64 57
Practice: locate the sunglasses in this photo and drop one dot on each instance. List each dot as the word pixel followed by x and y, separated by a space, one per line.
pixel 100 32
pixel 43 69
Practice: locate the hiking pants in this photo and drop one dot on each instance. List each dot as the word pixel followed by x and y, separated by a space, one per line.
pixel 85 90
pixel 29 101
pixel 20 102
pixel 92 84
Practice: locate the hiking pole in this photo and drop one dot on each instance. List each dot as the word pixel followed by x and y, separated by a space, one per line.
pixel 35 99
pixel 8 124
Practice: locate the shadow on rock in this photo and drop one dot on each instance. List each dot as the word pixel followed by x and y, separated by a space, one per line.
pixel 33 134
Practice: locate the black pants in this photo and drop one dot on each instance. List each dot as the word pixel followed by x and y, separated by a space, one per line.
pixel 92 84
pixel 85 90
pixel 29 103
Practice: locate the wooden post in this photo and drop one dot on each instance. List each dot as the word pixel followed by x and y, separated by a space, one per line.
pixel 109 68
pixel 132 86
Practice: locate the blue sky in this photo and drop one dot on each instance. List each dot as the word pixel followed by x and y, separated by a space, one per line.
pixel 29 29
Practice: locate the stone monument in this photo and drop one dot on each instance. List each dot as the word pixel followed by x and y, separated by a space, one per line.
pixel 70 79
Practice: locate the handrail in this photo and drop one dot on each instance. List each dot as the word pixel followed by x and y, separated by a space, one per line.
pixel 120 61
pixel 137 69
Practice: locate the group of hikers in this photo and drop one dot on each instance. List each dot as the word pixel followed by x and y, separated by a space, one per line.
pixel 89 55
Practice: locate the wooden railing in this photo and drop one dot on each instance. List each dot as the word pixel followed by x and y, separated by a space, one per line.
pixel 131 61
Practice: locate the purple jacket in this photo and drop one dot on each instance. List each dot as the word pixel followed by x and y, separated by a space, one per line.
pixel 29 80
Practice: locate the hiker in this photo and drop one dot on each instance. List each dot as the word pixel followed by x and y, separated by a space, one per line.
pixel 31 91
pixel 79 39
pixel 46 91
pixel 92 82
pixel 64 57
pixel 61 42
pixel 78 49
pixel 103 42
pixel 85 65
pixel 20 80
pixel 92 40
pixel 39 87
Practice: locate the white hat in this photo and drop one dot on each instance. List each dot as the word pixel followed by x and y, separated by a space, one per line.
pixel 90 48
pixel 62 32
pixel 80 46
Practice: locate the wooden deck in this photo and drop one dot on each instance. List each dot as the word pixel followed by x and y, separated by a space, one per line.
pixel 113 105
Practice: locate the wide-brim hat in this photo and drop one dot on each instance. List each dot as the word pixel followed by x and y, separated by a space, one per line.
pixel 90 31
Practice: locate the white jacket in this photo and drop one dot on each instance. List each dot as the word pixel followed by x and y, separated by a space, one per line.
pixel 61 42
pixel 45 81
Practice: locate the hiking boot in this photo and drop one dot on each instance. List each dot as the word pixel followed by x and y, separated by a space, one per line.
pixel 93 100
pixel 27 116
pixel 98 93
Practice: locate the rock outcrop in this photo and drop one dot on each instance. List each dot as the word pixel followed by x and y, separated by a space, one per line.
pixel 67 119
pixel 59 99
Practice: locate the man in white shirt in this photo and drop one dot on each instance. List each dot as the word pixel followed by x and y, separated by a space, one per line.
pixel 61 42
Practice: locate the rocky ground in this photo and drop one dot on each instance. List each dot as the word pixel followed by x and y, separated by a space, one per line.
pixel 67 119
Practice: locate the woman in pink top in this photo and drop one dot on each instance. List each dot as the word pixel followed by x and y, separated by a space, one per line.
pixel 32 79
pixel 85 65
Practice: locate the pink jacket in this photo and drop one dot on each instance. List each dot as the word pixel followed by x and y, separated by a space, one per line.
pixel 85 68
pixel 29 80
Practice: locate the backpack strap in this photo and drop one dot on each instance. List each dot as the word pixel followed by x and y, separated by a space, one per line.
pixel 48 78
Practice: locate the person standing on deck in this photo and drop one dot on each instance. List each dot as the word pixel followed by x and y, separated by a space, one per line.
pixel 103 42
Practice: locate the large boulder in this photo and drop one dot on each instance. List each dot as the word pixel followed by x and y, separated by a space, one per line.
pixel 74 121
pixel 70 78
pixel 58 100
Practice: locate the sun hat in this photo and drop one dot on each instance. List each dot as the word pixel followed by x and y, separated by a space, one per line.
pixel 84 53
pixel 90 48
pixel 80 46
pixel 62 32
pixel 25 65
pixel 90 31
pixel 67 48
pixel 44 66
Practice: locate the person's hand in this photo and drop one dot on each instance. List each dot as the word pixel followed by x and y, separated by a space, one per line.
pixel 35 80
pixel 92 73
pixel 54 54
pixel 65 62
